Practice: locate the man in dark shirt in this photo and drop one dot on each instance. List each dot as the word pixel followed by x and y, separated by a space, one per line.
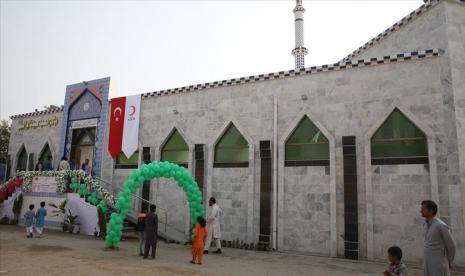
pixel 48 166
pixel 151 230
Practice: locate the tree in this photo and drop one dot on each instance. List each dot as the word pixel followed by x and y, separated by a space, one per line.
pixel 5 130
pixel 52 107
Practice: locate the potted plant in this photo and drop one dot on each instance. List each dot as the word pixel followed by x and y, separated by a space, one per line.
pixel 71 221
pixel 17 204
pixel 102 222
pixel 60 211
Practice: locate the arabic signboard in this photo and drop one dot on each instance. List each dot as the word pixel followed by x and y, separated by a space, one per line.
pixel 33 124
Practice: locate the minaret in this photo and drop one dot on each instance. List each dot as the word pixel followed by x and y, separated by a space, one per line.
pixel 299 51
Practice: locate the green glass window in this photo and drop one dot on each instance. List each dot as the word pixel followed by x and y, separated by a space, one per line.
pixel 122 162
pixel 232 148
pixel 175 149
pixel 22 160
pixel 45 153
pixel 307 143
pixel 398 137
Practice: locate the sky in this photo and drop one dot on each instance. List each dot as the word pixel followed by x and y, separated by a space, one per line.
pixel 146 46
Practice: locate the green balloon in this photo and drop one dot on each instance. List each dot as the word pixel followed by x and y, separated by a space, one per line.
pixel 147 172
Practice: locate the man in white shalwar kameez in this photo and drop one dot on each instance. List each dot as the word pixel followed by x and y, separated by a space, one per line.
pixel 213 226
pixel 439 246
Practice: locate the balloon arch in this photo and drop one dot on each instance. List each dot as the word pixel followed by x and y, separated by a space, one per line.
pixel 134 182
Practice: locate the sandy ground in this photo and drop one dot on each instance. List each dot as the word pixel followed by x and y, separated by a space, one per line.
pixel 58 253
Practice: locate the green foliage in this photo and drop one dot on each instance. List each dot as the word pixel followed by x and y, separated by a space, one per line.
pixel 17 206
pixel 5 130
pixel 134 182
pixel 70 219
pixel 60 209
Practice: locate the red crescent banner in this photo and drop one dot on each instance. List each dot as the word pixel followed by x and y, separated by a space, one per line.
pixel 115 139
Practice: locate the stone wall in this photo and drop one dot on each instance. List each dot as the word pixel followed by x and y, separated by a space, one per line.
pixel 168 195
pixel 455 17
pixel 397 193
pixel 306 210
pixel 35 139
pixel 229 187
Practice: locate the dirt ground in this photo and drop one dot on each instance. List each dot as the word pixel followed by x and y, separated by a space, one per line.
pixel 58 253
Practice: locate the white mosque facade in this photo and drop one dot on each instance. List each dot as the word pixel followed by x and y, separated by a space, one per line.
pixel 331 160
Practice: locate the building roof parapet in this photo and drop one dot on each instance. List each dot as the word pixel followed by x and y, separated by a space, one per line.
pixel 342 65
pixel 37 113
pixel 303 71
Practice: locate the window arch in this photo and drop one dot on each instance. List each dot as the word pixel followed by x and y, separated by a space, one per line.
pixel 307 146
pixel 123 162
pixel 398 141
pixel 232 150
pixel 21 164
pixel 176 150
pixel 46 152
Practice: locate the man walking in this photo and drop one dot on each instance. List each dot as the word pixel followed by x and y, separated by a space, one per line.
pixel 151 230
pixel 213 226
pixel 439 247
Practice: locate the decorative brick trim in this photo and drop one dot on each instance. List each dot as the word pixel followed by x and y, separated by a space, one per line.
pixel 37 113
pixel 413 15
pixel 304 71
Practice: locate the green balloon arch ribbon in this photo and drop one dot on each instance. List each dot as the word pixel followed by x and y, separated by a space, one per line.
pixel 134 182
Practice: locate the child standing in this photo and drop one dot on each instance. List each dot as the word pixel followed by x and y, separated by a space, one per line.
pixel 40 218
pixel 198 241
pixel 396 267
pixel 29 220
pixel 140 229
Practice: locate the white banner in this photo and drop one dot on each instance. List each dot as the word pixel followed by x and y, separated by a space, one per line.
pixel 131 125
pixel 44 184
pixel 84 123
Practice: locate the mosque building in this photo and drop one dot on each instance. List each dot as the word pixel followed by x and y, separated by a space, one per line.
pixel 332 160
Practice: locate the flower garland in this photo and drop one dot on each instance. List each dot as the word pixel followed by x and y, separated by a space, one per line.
pixel 24 179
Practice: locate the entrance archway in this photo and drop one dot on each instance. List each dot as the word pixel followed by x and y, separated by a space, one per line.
pixel 134 182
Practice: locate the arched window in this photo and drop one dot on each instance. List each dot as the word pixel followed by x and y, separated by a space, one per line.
pixel 398 141
pixel 46 152
pixel 232 150
pixel 122 162
pixel 175 150
pixel 307 146
pixel 21 165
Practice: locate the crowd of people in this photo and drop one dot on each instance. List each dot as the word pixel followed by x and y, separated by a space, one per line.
pixel 203 232
pixel 47 165
pixel 439 246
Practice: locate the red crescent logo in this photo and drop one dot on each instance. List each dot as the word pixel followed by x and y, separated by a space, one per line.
pixel 133 110
pixel 117 110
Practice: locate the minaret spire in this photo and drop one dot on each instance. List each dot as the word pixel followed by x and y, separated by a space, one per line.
pixel 299 51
